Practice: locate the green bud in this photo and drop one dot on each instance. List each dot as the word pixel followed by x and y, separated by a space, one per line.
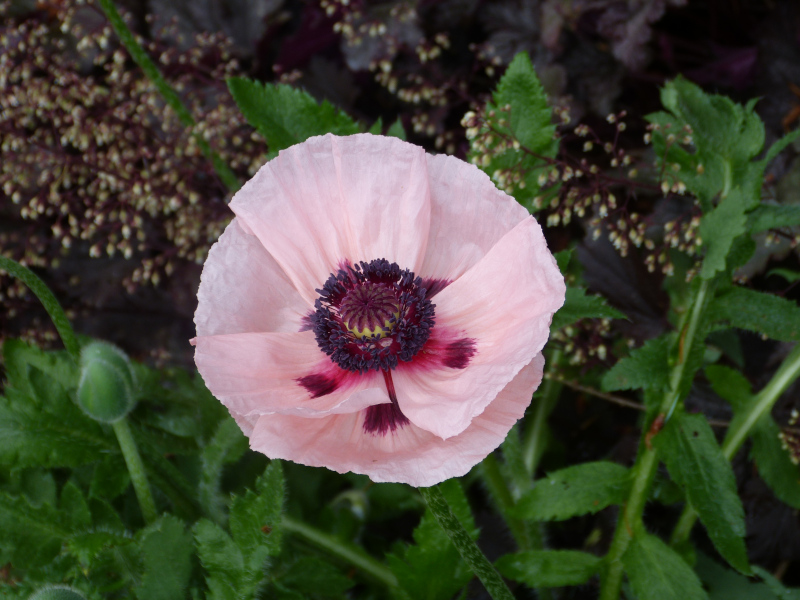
pixel 107 389
pixel 57 592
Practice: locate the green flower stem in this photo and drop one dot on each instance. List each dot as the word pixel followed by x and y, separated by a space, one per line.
pixel 493 479
pixel 534 444
pixel 136 469
pixel 630 518
pixel 742 426
pixel 340 549
pixel 167 92
pixel 48 300
pixel 465 545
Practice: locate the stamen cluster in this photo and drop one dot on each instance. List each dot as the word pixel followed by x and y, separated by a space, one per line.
pixel 372 315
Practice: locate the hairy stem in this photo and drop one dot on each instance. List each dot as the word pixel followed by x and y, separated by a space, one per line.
pixel 630 518
pixel 465 545
pixel 136 469
pixel 355 556
pixel 48 300
pixel 167 92
pixel 742 426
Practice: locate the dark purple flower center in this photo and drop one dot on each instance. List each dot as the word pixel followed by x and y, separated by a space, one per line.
pixel 372 315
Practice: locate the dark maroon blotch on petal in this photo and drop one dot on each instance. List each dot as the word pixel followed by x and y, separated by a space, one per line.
pixel 307 322
pixel 384 418
pixel 434 286
pixel 457 355
pixel 319 384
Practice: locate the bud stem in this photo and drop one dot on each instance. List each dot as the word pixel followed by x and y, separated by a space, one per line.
pixel 136 469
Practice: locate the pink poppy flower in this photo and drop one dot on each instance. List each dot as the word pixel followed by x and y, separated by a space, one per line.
pixel 376 309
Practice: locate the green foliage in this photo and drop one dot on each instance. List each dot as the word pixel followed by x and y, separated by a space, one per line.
pixel 549 568
pixel 286 116
pixel 773 462
pixel 730 384
pixel 432 569
pixel 579 305
pixel 167 551
pixel 227 446
pixel 656 572
pixel 768 216
pixel 579 490
pixel 518 133
pixel 647 368
pixel 696 463
pixel 310 575
pixel 724 584
pixel 763 313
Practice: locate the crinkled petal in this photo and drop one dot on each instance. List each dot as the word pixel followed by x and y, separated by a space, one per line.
pixel 332 199
pixel 259 373
pixel 409 454
pixel 243 289
pixel 505 304
pixel 469 215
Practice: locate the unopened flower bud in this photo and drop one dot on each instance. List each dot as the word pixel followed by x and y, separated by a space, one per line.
pixel 107 388
pixel 57 592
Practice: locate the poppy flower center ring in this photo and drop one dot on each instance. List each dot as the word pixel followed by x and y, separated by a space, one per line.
pixel 371 315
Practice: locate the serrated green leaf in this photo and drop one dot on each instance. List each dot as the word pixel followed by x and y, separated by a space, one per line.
pixel 579 490
pixel 549 568
pixel 311 575
pixel 227 446
pixel 647 367
pixel 255 518
pixel 780 590
pixel 562 259
pixel 725 584
pixel 768 216
pixel 377 127
pixel 518 111
pixel 730 384
pixel 656 572
pixel 773 462
pixel 167 552
pixel 695 461
pixel 56 364
pixel 720 227
pixel 780 145
pixel 286 116
pixel 87 546
pixel 30 536
pixel 222 561
pixel 432 569
pixel 74 510
pixel 777 318
pixel 788 274
pixel 579 305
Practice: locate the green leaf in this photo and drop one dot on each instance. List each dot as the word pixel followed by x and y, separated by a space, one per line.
pixel 255 518
pixel 396 130
pixel 110 477
pixel 720 227
pixel 768 216
pixel 773 462
pixel 549 568
pixel 730 384
pixel 656 572
pixel 432 569
pixel 647 367
pixel 578 490
pixel 578 305
pixel 725 584
pixel 227 446
pixel 31 536
pixel 88 546
pixel 780 590
pixel 286 116
pixel 763 313
pixel 780 145
pixel 74 510
pixel 695 461
pixel 222 561
pixel 787 274
pixel 167 552
pixel 311 575
pixel 562 260
pixel 518 112
pixel 377 127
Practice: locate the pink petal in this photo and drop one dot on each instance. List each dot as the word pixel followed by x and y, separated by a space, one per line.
pixel 243 289
pixel 505 304
pixel 332 199
pixel 260 373
pixel 409 455
pixel 469 215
